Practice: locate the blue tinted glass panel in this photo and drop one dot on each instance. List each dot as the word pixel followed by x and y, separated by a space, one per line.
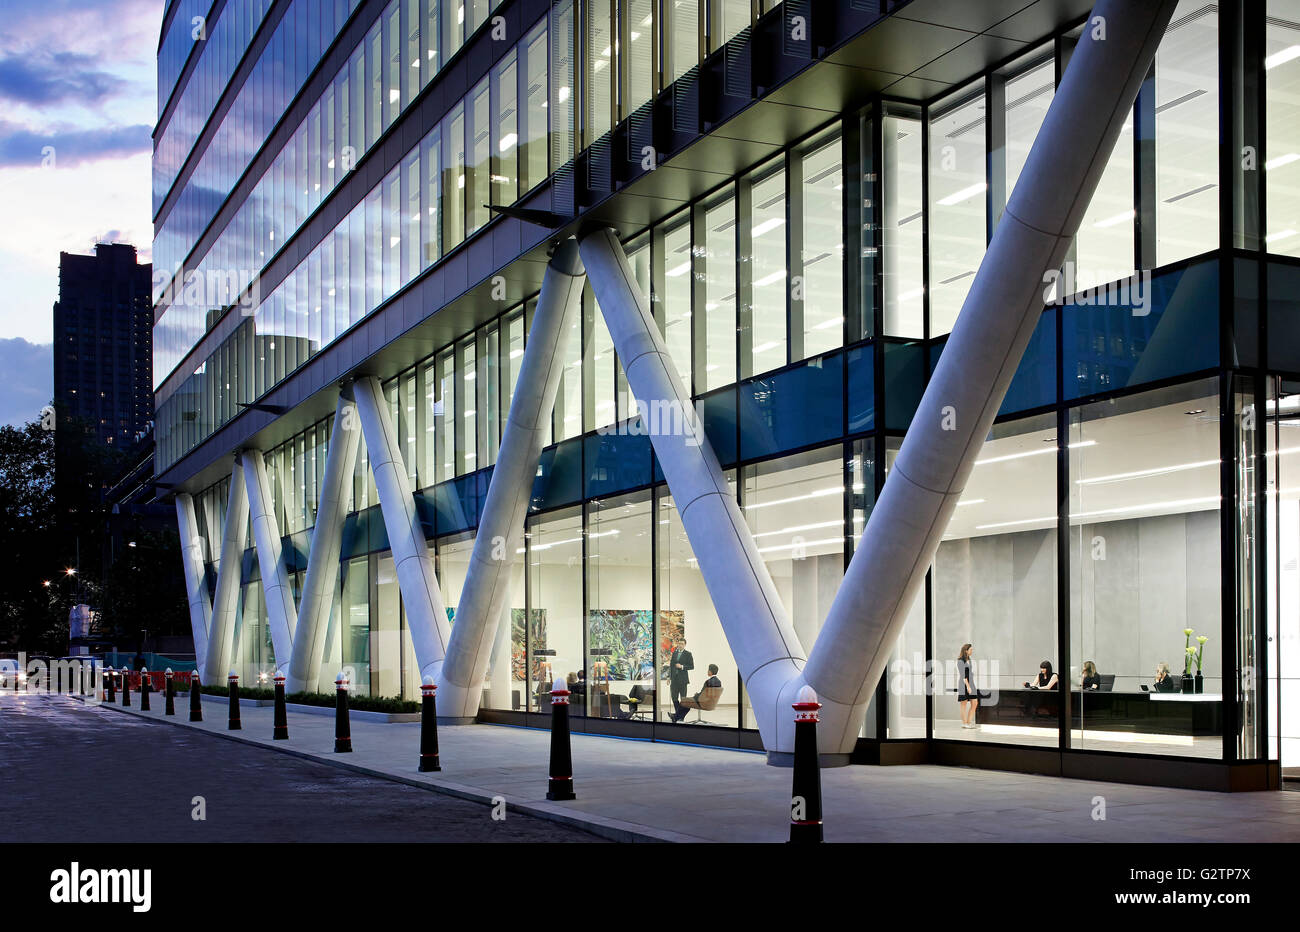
pixel 355 535
pixel 904 383
pixel 616 462
pixel 1283 317
pixel 718 412
pixel 559 476
pixel 1167 329
pixel 455 504
pixel 792 409
pixel 862 390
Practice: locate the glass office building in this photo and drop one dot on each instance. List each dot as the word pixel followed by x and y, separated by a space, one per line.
pixel 805 192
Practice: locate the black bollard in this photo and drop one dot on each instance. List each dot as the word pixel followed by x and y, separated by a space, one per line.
pixel 233 687
pixel 196 698
pixel 169 707
pixel 126 688
pixel 560 786
pixel 280 728
pixel 110 685
pixel 429 727
pixel 342 730
pixel 806 798
pixel 146 687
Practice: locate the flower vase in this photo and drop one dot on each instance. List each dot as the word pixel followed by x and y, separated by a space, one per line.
pixel 1200 683
pixel 1189 684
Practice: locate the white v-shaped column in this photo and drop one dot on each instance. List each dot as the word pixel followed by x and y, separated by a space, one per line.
pixel 192 560
pixel 755 621
pixel 221 635
pixel 326 545
pixel 958 407
pixel 483 601
pixel 281 614
pixel 421 596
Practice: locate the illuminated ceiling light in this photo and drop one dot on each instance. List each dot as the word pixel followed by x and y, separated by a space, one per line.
pixel 1290 53
pixel 1115 220
pixel 770 279
pixel 678 270
pixel 1282 160
pixel 768 226
pixel 394 96
pixel 965 194
pixel 970 501
pixel 563 93
pixel 1018 456
pixel 1144 473
pixel 800 544
pixel 765 347
pixel 508 141
pixel 1280 235
pixel 515 354
pixel 819 493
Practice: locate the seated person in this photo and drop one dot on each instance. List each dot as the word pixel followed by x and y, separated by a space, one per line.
pixel 685 706
pixel 1091 678
pixel 1164 682
pixel 1046 678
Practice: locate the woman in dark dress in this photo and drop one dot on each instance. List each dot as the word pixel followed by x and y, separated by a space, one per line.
pixel 967 692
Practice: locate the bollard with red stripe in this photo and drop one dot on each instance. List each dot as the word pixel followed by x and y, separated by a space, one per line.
pixel 169 706
pixel 233 687
pixel 560 786
pixel 342 729
pixel 126 688
pixel 145 688
pixel 806 799
pixel 280 728
pixel 429 727
pixel 196 698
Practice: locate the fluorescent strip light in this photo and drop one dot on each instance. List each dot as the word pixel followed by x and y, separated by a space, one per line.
pixel 1282 160
pixel 971 501
pixel 764 347
pixel 1280 235
pixel 820 493
pixel 770 279
pixel 1114 221
pixel 1141 473
pixel 767 226
pixel 507 142
pixel 677 270
pixel 1290 53
pixel 965 194
pixel 515 354
pixel 1018 456
pixel 805 543
pixel 799 527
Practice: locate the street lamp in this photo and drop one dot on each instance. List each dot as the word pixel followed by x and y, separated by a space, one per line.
pixel 70 571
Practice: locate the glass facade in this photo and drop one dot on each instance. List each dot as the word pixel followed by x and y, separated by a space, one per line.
pixel 1120 509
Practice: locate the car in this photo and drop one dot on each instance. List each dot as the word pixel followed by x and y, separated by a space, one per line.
pixel 9 670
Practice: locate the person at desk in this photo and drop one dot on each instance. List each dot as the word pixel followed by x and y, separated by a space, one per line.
pixel 1164 682
pixel 968 696
pixel 683 710
pixel 1046 678
pixel 1091 678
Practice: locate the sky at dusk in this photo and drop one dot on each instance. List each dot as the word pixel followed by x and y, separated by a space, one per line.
pixel 77 77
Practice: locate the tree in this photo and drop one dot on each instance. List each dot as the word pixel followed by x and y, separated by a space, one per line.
pixel 35 588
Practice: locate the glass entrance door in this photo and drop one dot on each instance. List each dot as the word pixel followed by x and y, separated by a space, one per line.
pixel 1283 438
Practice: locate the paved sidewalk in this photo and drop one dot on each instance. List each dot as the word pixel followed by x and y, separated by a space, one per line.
pixel 632 790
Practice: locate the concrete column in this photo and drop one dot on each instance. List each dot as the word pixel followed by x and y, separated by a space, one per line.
pixel 483 600
pixel 996 322
pixel 756 623
pixel 281 614
pixel 192 561
pixel 318 586
pixel 421 594
pixel 221 636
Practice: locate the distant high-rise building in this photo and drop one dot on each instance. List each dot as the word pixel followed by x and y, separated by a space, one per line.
pixel 103 350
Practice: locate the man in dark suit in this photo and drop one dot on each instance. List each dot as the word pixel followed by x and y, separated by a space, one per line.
pixel 680 663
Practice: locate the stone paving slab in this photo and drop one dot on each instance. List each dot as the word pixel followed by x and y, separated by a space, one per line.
pixel 631 790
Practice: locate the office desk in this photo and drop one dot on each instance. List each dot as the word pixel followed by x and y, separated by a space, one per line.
pixel 1198 715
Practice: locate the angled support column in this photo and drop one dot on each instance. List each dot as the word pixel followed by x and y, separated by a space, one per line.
pixel 326 544
pixel 192 559
pixel 421 594
pixel 996 322
pixel 487 584
pixel 221 636
pixel 757 626
pixel 281 615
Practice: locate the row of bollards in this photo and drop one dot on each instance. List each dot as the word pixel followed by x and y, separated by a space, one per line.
pixel 806 801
